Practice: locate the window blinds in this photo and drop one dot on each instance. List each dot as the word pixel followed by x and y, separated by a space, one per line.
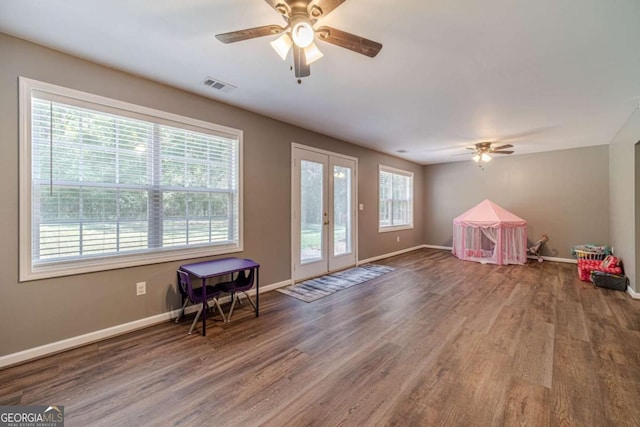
pixel 106 184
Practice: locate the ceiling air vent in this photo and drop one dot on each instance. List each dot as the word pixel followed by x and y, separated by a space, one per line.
pixel 218 85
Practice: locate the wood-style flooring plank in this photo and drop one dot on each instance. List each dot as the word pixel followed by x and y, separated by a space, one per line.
pixel 533 359
pixel 571 320
pixel 527 405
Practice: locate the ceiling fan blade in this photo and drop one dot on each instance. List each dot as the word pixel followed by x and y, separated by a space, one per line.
pixel 502 147
pixel 300 65
pixel 321 8
pixel 250 33
pixel 463 154
pixel 502 152
pixel 349 41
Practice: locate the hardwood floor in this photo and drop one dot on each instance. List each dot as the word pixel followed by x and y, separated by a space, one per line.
pixel 436 342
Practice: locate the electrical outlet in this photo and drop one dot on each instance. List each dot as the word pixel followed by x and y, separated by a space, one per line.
pixel 141 288
pixel 398 239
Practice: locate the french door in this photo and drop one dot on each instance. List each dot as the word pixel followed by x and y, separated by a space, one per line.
pixel 323 212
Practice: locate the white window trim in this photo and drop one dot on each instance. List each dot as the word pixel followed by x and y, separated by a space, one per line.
pixel 389 169
pixel 27 270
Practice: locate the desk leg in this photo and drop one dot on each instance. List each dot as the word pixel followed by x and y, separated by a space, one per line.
pixel 204 307
pixel 257 291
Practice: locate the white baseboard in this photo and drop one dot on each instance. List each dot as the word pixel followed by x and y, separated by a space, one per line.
pixel 91 337
pixel 389 255
pixel 634 295
pixel 555 259
pixel 267 288
pixel 69 343
pixel 444 248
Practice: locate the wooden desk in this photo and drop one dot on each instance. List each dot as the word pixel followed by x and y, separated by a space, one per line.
pixel 221 267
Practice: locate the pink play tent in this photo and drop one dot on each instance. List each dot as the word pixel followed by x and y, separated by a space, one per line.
pixel 490 234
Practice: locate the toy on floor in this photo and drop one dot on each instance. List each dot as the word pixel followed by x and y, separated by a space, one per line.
pixel 609 264
pixel 536 249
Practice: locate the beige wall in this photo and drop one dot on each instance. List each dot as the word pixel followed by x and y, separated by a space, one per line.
pixel 45 311
pixel 563 194
pixel 624 211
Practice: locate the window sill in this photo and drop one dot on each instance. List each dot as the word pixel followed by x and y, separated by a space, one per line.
pixel 70 268
pixel 395 228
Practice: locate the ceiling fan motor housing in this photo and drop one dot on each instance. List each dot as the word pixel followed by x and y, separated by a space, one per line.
pixel 483 146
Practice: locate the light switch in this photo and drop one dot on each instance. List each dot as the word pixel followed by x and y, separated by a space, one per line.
pixel 361 206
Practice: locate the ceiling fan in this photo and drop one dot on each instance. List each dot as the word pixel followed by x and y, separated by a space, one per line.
pixel 299 33
pixel 483 150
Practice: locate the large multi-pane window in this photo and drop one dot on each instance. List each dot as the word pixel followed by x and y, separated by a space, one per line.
pixel 396 199
pixel 108 184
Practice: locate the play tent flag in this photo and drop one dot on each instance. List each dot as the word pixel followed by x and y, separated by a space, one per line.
pixel 488 233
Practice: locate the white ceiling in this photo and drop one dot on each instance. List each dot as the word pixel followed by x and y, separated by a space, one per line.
pixel 542 75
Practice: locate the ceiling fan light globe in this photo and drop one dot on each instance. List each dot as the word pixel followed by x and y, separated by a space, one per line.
pixel 476 158
pixel 312 53
pixel 282 45
pixel 485 157
pixel 302 33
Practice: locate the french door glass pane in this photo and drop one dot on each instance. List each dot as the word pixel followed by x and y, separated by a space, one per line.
pixel 341 209
pixel 311 211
